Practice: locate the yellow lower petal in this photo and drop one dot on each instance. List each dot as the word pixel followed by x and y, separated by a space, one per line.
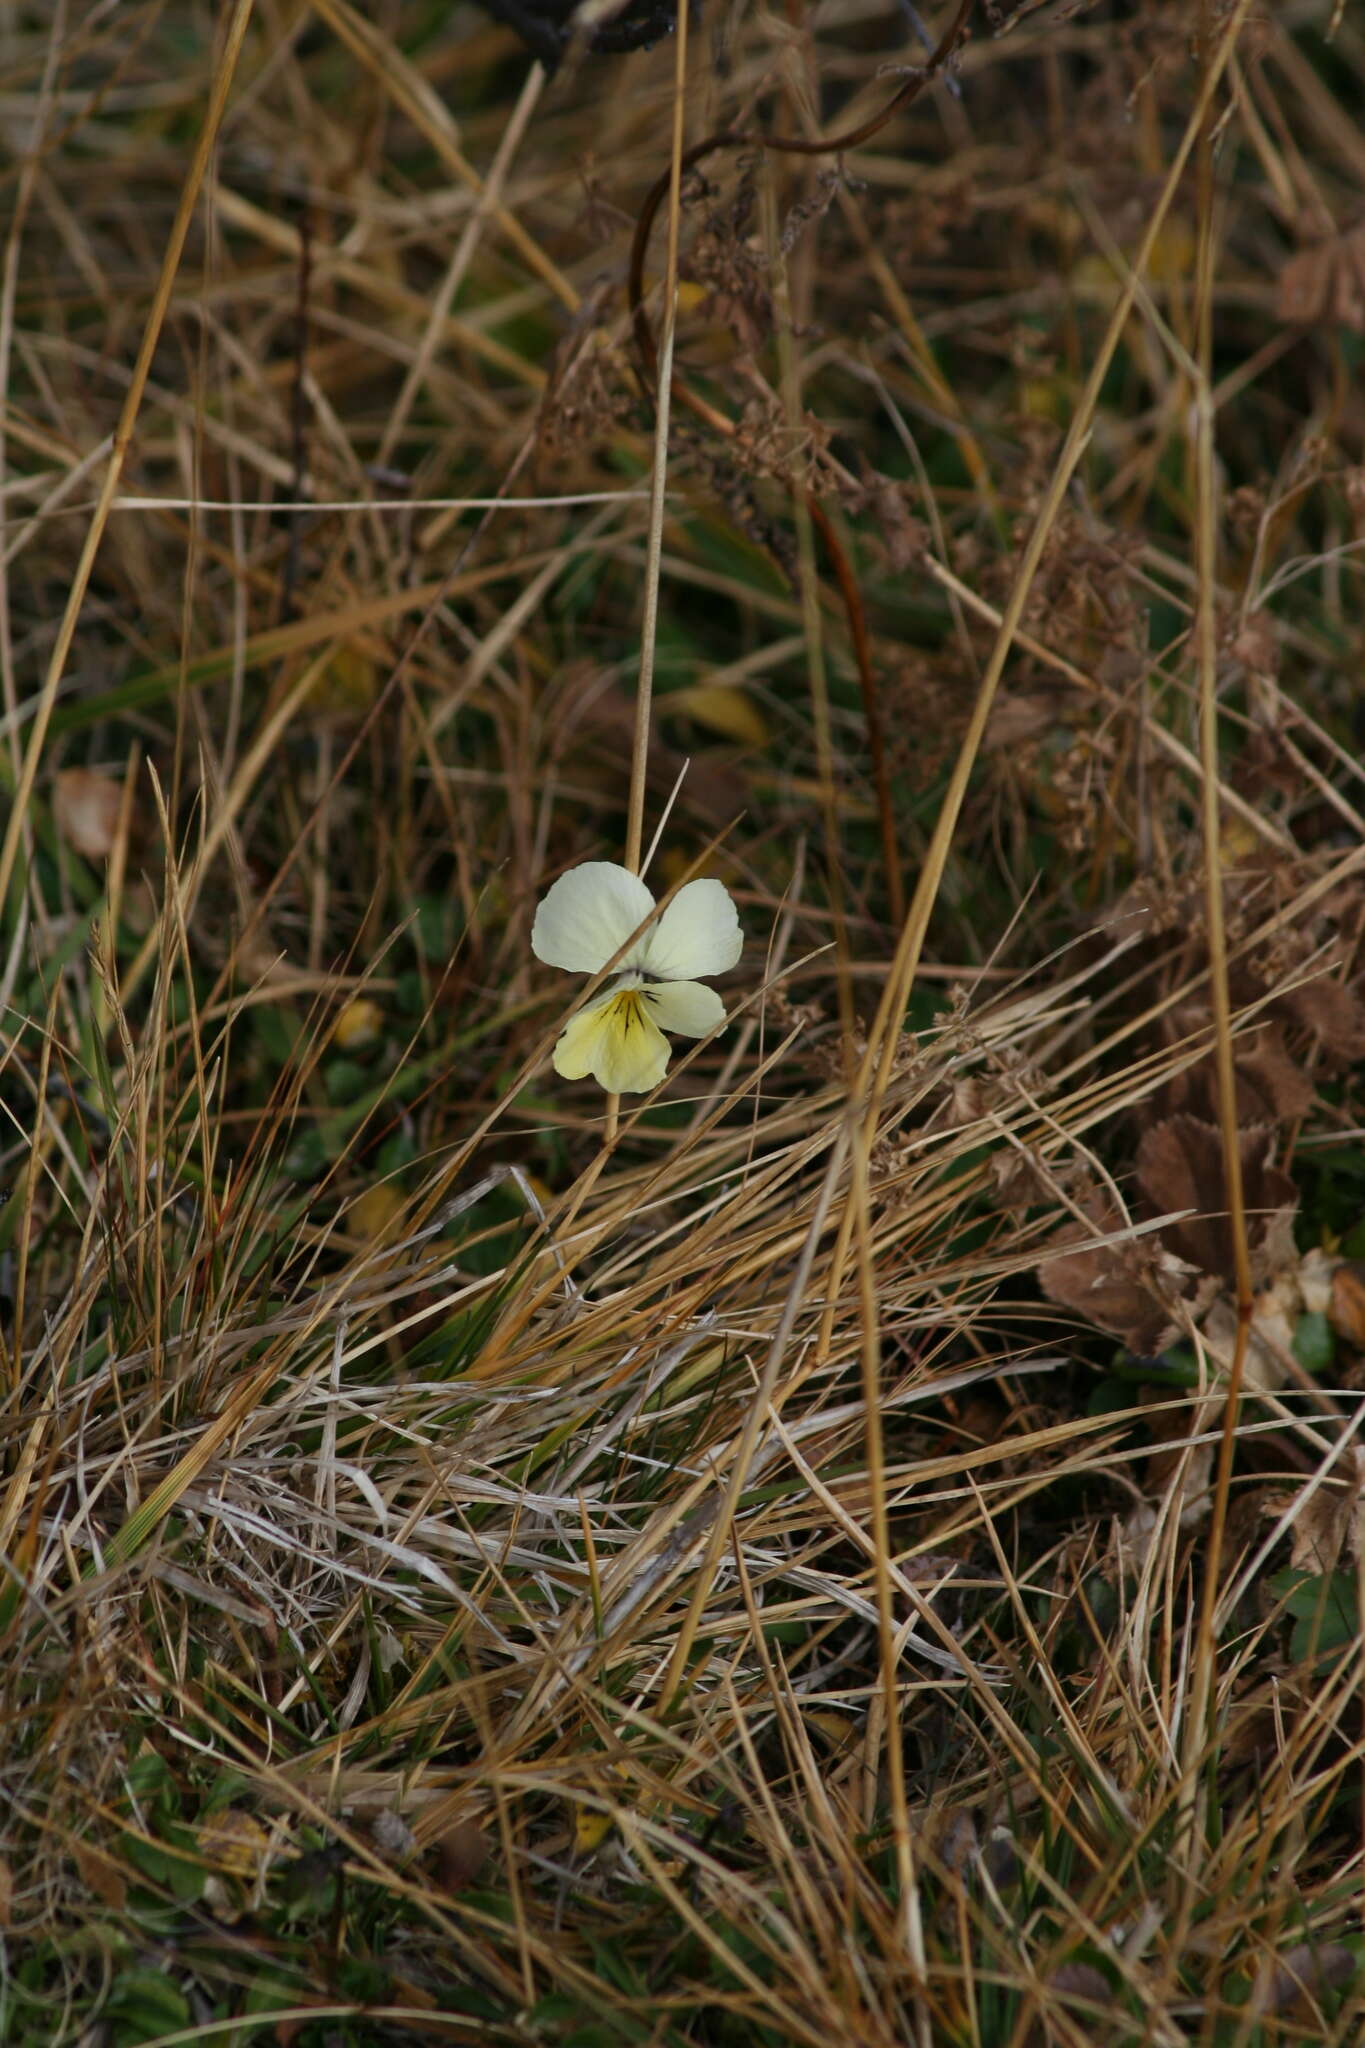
pixel 617 1042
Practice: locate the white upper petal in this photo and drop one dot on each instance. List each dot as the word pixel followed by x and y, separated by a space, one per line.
pixel 698 934
pixel 687 1007
pixel 588 915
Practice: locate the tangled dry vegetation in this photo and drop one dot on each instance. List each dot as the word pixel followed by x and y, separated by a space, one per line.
pixel 783 1567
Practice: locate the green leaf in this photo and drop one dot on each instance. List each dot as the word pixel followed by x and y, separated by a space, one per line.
pixel 409 994
pixel 1326 1618
pixel 1315 1343
pixel 310 1154
pixel 433 930
pixel 145 2005
pixel 147 1775
pixel 344 1080
pixel 161 1866
pixel 396 1152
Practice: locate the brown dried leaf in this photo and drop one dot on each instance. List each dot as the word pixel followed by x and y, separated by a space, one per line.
pixel 1334 1012
pixel 392 1836
pixel 1020 1180
pixel 951 1833
pixel 1271 1085
pixel 1324 285
pixel 1112 1286
pixel 1269 1354
pixel 86 806
pixel 1347 1311
pixel 101 1874
pixel 600 721
pixel 1181 1474
pixel 460 1854
pixel 1083 1981
pixel 1305 285
pixel 1000 1858
pixel 1320 1529
pixel 1302 1974
pixel 405 1991
pixel 903 538
pixel 1019 718
pixel 1278 1083
pixel 1180 1166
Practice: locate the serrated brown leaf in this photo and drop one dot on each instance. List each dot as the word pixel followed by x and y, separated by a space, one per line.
pixel 1271 1082
pixel 1334 1013
pixel 1271 1085
pixel 1110 1285
pixel 1180 1166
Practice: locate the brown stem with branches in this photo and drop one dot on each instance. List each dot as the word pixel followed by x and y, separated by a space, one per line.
pixel 851 596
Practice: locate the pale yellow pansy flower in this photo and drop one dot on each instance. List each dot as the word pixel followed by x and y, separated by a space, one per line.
pixel 585 920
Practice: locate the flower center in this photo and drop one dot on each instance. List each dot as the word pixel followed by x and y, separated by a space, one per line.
pixel 627 1008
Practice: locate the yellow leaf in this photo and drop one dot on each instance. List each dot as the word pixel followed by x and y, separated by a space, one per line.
pixel 1172 258
pixel 1094 275
pixel 1042 398
pixel 358 1024
pixel 838 1730
pixel 1237 842
pixel 676 864
pixel 1172 253
pixel 590 1830
pixel 374 1215
pixel 350 681
pixel 806 787
pixel 690 293
pixel 721 708
pixel 234 1842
